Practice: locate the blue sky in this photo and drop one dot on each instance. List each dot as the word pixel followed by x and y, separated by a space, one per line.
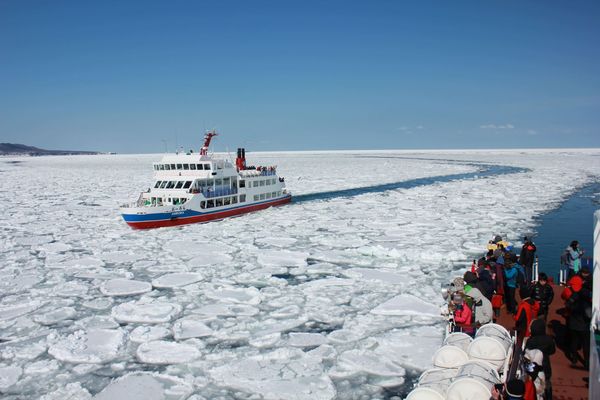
pixel 299 75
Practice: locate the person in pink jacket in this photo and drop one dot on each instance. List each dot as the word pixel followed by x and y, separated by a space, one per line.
pixel 462 315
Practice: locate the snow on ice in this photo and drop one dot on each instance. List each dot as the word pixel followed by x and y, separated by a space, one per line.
pixel 332 296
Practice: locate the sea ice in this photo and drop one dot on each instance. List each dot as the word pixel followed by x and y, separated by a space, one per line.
pixel 146 386
pixel 164 352
pixel 249 295
pixel 93 346
pixel 280 374
pixel 176 279
pixel 9 375
pixel 55 316
pixel 190 327
pixel 406 304
pixel 303 339
pixel 124 287
pixel 143 334
pixel 145 312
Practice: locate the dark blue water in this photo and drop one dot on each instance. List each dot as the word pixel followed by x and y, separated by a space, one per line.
pixel 573 220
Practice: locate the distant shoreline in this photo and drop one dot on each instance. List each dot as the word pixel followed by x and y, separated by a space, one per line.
pixel 15 149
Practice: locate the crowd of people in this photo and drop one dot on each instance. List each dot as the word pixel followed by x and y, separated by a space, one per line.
pixel 492 284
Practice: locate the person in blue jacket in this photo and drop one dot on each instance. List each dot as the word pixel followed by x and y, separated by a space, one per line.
pixel 510 282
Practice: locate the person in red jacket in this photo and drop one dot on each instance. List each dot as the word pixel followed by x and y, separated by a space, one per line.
pixel 462 315
pixel 527 312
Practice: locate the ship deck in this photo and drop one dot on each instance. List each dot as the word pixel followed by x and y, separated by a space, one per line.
pixel 567 382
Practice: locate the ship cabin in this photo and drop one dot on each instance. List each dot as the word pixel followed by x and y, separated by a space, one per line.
pixel 178 178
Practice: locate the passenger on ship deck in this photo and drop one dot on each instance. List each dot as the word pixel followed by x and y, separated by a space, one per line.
pixel 527 312
pixel 510 286
pixel 542 292
pixel 545 343
pixel 571 258
pixel 527 258
pixel 462 315
pixel 535 379
pixel 485 277
pixel 481 305
pixel 579 319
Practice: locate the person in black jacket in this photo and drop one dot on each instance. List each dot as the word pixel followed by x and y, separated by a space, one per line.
pixel 543 293
pixel 527 258
pixel 545 343
pixel 579 319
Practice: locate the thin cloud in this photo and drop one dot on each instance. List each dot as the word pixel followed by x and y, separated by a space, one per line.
pixel 531 132
pixel 493 126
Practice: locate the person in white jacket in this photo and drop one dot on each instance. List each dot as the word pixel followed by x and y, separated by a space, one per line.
pixel 482 306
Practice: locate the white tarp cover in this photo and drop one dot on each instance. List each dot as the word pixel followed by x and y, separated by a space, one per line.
pixel 423 393
pixel 449 357
pixel 488 349
pixel 458 339
pixel 438 379
pixel 473 381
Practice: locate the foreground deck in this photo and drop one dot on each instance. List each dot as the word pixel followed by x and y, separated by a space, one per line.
pixel 567 382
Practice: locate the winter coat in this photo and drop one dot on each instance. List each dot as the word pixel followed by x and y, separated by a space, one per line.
pixel 579 308
pixel 463 317
pixel 487 284
pixel 544 294
pixel 527 253
pixel 571 257
pixel 483 307
pixel 525 314
pixel 545 343
pixel 510 276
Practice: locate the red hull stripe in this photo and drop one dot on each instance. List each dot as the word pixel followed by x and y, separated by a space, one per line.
pixel 206 217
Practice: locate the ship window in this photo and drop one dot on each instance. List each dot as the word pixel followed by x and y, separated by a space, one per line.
pixel 193 167
pixel 172 166
pixel 273 181
pixel 217 182
pixel 242 198
pixel 154 167
pixel 226 201
pixel 202 204
pixel 187 184
pixel 218 202
pixel 161 167
pixel 274 194
pixel 255 183
pixel 210 203
pixel 256 197
pixel 179 166
pixel 268 196
pixel 262 196
pixel 175 201
pixel 171 185
pixel 179 185
pixel 183 200
pixel 157 184
pixel 199 167
pixel 164 184
pixel 279 193
pixel 262 183
pixel 207 167
pixel 167 167
pixel 186 166
pixel 234 200
pixel 242 183
pixel 226 181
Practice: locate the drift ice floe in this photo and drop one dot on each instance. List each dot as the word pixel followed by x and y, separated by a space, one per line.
pixel 195 187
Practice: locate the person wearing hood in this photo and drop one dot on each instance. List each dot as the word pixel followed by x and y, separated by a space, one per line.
pixel 545 343
pixel 481 305
pixel 527 257
pixel 526 313
pixel 535 379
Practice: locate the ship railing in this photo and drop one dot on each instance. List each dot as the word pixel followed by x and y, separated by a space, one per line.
pixel 219 192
